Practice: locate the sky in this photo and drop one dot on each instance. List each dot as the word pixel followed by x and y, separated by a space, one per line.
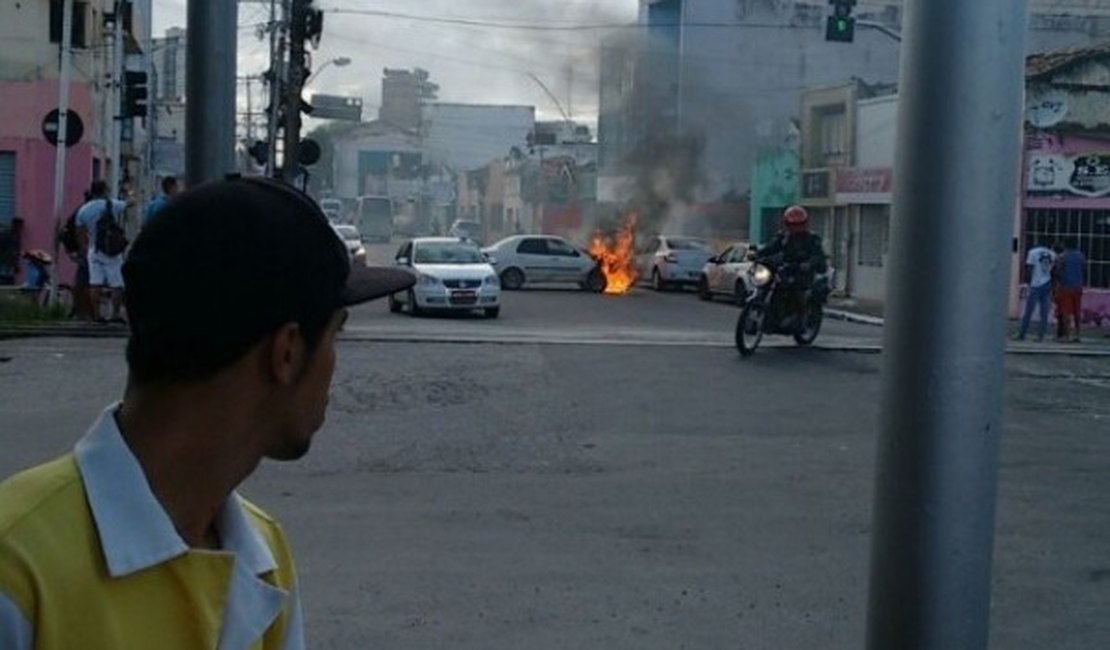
pixel 471 64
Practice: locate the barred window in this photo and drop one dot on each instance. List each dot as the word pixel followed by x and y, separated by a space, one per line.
pixel 1088 230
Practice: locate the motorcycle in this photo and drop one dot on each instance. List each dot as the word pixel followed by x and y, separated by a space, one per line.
pixel 766 311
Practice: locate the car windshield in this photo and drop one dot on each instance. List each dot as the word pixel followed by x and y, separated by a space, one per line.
pixel 447 253
pixel 347 232
pixel 687 244
pixel 469 227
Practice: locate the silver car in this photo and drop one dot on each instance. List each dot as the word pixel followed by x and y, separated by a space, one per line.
pixel 727 274
pixel 537 259
pixel 353 241
pixel 670 261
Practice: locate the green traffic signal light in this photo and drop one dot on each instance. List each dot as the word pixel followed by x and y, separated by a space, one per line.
pixel 840 29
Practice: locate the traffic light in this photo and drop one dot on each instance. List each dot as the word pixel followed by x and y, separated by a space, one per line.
pixel 841 26
pixel 260 151
pixel 134 94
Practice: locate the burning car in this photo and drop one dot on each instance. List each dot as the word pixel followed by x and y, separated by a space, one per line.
pixel 537 259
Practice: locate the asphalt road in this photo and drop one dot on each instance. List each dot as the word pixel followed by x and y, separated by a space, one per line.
pixel 609 495
pixel 568 314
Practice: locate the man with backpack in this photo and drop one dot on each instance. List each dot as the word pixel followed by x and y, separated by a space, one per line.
pixel 100 227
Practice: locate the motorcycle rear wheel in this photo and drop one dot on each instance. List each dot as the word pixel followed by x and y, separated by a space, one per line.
pixel 749 329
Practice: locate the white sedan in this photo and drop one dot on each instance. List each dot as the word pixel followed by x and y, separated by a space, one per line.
pixel 727 275
pixel 451 275
pixel 532 259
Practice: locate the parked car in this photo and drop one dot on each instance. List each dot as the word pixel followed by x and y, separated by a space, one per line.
pixel 536 259
pixel 727 274
pixel 452 275
pixel 353 240
pixel 333 208
pixel 464 229
pixel 673 261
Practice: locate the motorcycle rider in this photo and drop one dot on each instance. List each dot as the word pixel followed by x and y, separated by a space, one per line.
pixel 802 250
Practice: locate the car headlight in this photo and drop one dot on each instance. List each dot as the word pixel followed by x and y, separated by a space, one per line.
pixel 360 251
pixel 428 280
pixel 492 280
pixel 761 275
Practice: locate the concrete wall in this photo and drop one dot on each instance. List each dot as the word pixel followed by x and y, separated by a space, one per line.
pixel 346 160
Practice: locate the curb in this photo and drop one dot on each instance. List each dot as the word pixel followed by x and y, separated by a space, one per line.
pixel 853 317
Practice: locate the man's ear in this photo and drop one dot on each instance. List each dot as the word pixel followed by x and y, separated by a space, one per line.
pixel 287 353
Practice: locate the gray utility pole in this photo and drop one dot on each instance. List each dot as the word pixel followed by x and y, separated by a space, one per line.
pixel 210 62
pixel 956 183
pixel 291 167
pixel 65 72
pixel 116 95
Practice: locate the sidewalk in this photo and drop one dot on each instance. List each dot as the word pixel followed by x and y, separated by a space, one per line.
pixel 1094 341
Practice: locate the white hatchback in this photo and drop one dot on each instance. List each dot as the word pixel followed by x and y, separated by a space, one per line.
pixel 531 259
pixel 451 275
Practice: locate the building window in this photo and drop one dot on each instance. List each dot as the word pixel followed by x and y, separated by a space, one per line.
pixel 874 235
pixel 80 9
pixel 1089 230
pixel 832 126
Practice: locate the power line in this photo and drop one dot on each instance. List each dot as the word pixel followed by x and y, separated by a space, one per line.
pixel 540 27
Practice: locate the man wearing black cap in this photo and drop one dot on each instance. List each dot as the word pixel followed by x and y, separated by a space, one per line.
pixel 138 538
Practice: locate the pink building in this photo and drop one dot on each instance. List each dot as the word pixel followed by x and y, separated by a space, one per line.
pixel 1066 190
pixel 29 159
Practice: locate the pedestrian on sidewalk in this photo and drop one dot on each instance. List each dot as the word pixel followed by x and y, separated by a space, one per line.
pixel 1040 261
pixel 170 188
pixel 100 223
pixel 1069 292
pixel 139 537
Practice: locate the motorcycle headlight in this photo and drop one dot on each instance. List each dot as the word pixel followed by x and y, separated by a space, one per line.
pixel 492 280
pixel 428 280
pixel 761 275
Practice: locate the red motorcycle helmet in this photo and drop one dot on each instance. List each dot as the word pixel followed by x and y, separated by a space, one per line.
pixel 795 220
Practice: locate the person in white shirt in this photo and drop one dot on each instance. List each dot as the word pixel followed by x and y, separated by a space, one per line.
pixel 105 268
pixel 1040 261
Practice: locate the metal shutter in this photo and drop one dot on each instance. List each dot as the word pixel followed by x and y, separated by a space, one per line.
pixel 7 188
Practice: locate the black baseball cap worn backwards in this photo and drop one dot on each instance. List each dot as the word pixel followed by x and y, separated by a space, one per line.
pixel 246 254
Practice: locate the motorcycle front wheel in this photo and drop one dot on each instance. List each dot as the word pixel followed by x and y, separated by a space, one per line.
pixel 812 327
pixel 749 328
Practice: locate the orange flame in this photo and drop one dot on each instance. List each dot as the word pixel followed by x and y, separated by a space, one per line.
pixel 616 258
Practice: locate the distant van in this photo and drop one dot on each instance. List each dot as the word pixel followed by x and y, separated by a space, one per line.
pixel 374 218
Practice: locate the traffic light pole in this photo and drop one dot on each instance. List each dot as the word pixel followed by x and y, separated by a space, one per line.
pixel 116 99
pixel 956 184
pixel 291 144
pixel 210 64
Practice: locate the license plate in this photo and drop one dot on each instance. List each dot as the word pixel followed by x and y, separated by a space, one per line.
pixel 464 298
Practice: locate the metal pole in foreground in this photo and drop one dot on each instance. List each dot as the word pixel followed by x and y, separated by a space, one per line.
pixel 210 63
pixel 956 186
pixel 65 73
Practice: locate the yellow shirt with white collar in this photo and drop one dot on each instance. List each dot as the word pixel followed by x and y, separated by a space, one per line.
pixel 90 560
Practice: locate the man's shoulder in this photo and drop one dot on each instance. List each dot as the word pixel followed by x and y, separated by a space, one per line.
pixel 41 491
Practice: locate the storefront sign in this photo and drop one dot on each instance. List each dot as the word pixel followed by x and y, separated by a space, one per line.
pixel 1086 174
pixel 864 185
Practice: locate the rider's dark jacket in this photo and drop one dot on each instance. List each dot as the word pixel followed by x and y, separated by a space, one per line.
pixel 798 249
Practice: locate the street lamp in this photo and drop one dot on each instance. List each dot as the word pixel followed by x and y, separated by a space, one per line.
pixel 339 62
